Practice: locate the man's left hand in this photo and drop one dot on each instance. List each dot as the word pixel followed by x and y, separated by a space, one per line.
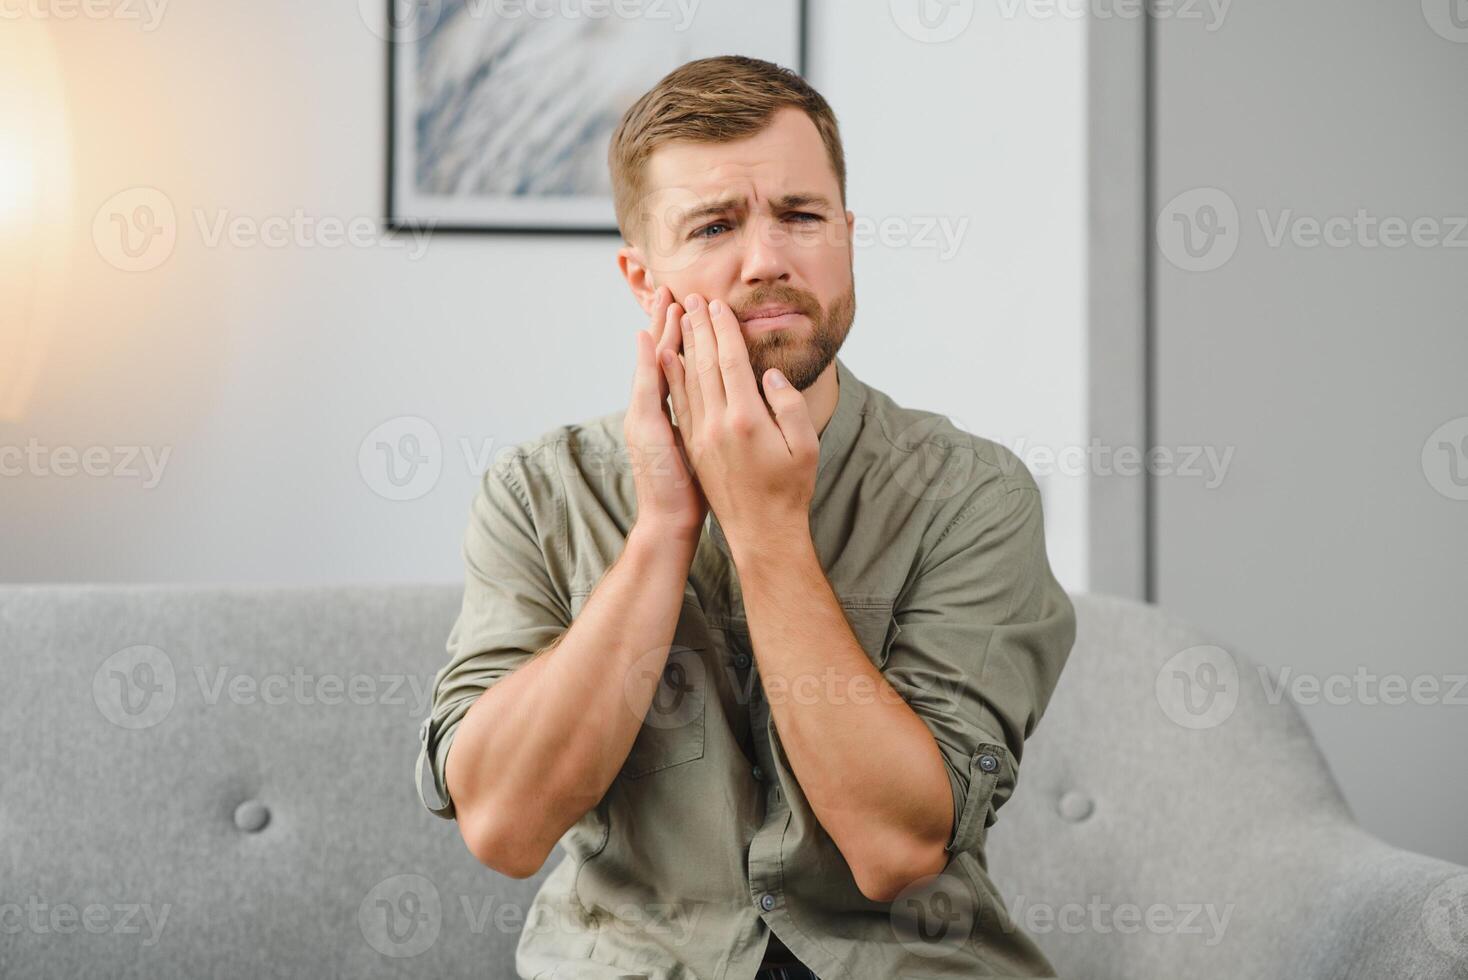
pixel 757 466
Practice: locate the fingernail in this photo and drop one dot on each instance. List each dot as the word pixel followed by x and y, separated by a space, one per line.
pixel 692 302
pixel 687 323
pixel 716 308
pixel 777 380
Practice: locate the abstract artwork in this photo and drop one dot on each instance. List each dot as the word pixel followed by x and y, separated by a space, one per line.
pixel 502 110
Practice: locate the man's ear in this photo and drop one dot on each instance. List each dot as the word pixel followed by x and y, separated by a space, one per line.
pixel 639 277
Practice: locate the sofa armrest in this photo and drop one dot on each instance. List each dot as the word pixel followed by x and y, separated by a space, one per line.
pixel 1386 912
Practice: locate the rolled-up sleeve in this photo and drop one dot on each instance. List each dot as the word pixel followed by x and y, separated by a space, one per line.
pixel 984 630
pixel 511 610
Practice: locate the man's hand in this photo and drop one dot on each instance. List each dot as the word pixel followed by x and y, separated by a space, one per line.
pixel 758 473
pixel 668 496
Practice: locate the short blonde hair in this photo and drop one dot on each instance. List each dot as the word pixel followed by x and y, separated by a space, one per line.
pixel 711 100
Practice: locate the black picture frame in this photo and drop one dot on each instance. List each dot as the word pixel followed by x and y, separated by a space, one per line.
pixel 395 222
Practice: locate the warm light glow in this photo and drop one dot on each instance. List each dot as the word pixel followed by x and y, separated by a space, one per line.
pixel 16 186
pixel 35 205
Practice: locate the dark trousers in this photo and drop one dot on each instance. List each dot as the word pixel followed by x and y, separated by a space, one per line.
pixel 795 971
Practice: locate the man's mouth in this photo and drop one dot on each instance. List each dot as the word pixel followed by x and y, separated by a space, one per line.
pixel 771 317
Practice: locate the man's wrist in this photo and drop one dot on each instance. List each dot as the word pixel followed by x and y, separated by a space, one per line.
pixel 661 538
pixel 773 550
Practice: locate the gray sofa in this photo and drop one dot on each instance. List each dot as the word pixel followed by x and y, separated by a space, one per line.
pixel 203 782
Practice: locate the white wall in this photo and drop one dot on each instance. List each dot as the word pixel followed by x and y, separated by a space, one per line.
pixel 261 369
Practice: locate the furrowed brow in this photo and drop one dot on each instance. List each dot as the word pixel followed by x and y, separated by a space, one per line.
pixel 728 205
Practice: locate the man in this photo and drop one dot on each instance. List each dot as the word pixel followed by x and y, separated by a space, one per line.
pixel 762 660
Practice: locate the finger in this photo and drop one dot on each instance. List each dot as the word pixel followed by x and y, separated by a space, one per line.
pixel 735 371
pixel 672 333
pixel 660 301
pixel 693 392
pixel 645 377
pixel 706 364
pixel 673 368
pixel 792 416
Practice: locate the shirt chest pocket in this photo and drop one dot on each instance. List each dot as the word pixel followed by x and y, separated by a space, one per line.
pixel 672 732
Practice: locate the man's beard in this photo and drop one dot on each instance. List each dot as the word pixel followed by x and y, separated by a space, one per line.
pixel 801 359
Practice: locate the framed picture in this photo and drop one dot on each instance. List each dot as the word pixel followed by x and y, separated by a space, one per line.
pixel 501 111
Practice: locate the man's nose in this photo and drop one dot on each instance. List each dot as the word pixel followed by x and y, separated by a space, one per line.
pixel 766 247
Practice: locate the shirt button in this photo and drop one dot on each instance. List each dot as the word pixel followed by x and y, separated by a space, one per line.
pixel 988 763
pixel 758 773
pixel 741 660
pixel 767 901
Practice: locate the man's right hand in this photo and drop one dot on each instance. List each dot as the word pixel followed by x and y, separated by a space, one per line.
pixel 668 495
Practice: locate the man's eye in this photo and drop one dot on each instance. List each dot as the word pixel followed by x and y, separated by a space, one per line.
pixel 704 231
pixel 807 214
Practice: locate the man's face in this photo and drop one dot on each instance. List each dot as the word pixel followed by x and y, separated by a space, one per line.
pixel 758 224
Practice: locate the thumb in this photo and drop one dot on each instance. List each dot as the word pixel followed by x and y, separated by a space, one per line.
pixel 791 414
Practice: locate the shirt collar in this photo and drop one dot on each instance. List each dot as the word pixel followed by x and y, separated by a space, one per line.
pixel 836 440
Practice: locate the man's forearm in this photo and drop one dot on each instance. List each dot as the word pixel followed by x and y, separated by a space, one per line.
pixel 866 762
pixel 538 749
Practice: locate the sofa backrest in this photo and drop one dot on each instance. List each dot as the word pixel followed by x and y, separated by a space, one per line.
pixel 219 782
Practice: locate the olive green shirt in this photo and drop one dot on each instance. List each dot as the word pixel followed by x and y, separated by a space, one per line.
pixel 932 540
